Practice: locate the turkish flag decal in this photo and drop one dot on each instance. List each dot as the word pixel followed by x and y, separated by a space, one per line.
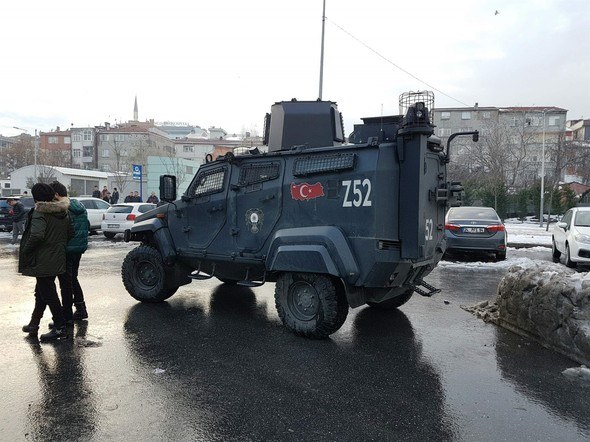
pixel 305 191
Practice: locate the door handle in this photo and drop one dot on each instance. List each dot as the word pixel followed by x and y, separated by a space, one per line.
pixel 268 198
pixel 215 209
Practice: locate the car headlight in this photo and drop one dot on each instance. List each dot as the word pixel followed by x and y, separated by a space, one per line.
pixel 582 238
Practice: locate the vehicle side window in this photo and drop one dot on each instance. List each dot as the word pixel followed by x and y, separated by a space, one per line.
pixel 567 218
pixel 89 204
pixel 257 173
pixel 102 205
pixel 209 182
pixel 145 208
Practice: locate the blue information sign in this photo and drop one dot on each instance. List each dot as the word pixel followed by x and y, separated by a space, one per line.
pixel 137 172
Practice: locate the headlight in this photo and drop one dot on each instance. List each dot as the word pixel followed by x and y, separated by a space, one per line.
pixel 582 238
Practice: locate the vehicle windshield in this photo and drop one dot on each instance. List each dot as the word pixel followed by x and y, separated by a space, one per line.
pixel 4 204
pixel 582 219
pixel 483 213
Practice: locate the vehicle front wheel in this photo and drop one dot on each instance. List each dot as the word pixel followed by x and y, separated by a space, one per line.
pixel 394 303
pixel 109 235
pixel 144 275
pixel 309 304
pixel 556 253
pixel 568 260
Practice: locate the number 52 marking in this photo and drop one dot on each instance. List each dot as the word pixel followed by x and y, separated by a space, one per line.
pixel 429 229
pixel 361 193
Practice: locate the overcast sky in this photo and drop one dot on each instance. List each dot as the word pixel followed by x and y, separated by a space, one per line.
pixel 223 63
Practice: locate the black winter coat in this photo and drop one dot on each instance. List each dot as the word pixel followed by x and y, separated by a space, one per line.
pixel 43 245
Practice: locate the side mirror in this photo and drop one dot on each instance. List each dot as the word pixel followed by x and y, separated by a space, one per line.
pixel 562 225
pixel 476 137
pixel 167 188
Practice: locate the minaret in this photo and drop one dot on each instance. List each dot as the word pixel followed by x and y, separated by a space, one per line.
pixel 135 112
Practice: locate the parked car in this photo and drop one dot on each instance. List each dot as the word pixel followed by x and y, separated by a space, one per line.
pixel 475 229
pixel 6 210
pixel 120 217
pixel 95 208
pixel 571 237
pixel 5 215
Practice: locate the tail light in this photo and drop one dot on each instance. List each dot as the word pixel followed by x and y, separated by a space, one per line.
pixel 452 227
pixel 131 217
pixel 496 228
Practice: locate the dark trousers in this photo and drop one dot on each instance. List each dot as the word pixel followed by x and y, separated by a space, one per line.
pixel 46 295
pixel 71 291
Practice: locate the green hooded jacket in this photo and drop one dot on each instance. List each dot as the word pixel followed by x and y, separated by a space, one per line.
pixel 79 217
pixel 43 244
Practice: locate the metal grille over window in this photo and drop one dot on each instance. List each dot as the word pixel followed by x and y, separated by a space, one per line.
pixel 210 182
pixel 324 163
pixel 257 173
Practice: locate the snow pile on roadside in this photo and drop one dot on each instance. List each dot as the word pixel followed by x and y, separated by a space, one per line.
pixel 546 302
pixel 526 233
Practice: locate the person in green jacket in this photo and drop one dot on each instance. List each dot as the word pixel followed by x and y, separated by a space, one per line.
pixel 71 291
pixel 42 254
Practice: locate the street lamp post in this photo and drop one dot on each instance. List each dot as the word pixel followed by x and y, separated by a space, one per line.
pixel 542 173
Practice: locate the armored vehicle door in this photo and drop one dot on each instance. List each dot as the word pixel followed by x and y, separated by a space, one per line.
pixel 257 193
pixel 205 210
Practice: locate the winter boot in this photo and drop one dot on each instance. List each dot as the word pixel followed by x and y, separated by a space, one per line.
pixel 80 312
pixel 31 329
pixel 33 326
pixel 54 335
pixel 69 323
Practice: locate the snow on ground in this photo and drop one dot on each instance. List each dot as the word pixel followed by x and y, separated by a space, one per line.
pixel 528 233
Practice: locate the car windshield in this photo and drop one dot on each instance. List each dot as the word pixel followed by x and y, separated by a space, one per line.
pixel 483 213
pixel 146 208
pixel 582 219
pixel 4 204
pixel 120 209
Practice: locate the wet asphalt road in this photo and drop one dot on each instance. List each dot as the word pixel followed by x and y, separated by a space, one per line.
pixel 214 363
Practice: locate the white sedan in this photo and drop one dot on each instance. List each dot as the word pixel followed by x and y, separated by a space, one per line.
pixel 121 217
pixel 571 237
pixel 95 208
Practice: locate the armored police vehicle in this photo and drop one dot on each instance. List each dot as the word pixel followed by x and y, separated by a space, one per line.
pixel 335 225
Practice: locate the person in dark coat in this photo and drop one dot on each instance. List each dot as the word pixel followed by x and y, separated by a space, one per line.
pixel 71 291
pixel 96 193
pixel 115 196
pixel 136 197
pixel 129 198
pixel 42 254
pixel 19 216
pixel 153 198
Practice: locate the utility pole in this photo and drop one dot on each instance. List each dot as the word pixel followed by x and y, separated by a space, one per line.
pixel 543 174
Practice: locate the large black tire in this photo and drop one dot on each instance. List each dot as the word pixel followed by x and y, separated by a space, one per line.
pixel 228 281
pixel 109 235
pixel 556 253
pixel 394 303
pixel 311 305
pixel 568 260
pixel 144 275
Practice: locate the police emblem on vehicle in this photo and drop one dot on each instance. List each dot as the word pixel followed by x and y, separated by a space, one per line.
pixel 254 219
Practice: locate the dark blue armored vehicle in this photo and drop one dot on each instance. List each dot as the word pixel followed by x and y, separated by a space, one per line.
pixel 334 225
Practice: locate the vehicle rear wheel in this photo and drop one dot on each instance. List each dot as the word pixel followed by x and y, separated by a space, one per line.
pixel 500 256
pixel 109 235
pixel 309 304
pixel 568 260
pixel 393 303
pixel 144 275
pixel 556 253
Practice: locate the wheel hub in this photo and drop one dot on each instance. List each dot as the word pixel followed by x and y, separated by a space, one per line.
pixel 147 274
pixel 303 301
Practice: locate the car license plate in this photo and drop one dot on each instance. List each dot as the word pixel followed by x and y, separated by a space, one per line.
pixel 113 226
pixel 474 229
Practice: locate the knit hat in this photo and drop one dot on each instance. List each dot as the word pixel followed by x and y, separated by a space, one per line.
pixel 43 192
